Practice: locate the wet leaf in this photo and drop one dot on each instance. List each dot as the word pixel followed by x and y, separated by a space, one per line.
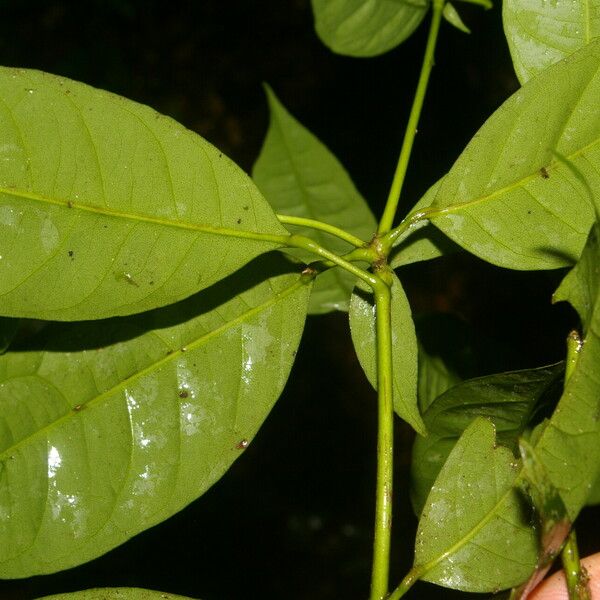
pixel 116 594
pixel 509 199
pixel 114 426
pixel 473 534
pixel 366 27
pixel 540 33
pixel 404 349
pixel 300 177
pixel 8 329
pixel 108 208
pixel 509 400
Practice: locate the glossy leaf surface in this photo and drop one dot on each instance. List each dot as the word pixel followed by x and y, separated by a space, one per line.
pixel 109 208
pixel 569 447
pixel 116 594
pixel 404 350
pixel 114 426
pixel 300 177
pixel 508 198
pixel 473 534
pixel 540 33
pixel 507 399
pixel 366 27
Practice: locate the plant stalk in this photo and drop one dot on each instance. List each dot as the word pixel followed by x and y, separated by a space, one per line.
pixel 385 445
pixel 389 213
pixel 321 226
pixel 577 580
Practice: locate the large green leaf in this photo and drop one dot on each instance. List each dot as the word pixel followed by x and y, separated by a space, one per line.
pixel 542 32
pixel 109 208
pixel 509 199
pixel 404 350
pixel 508 399
pixel 569 447
pixel 300 177
pixel 116 594
pixel 473 534
pixel 117 425
pixel 366 27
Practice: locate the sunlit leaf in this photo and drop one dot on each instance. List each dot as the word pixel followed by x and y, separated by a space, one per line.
pixel 114 426
pixel 404 349
pixel 509 400
pixel 300 177
pixel 116 594
pixel 542 32
pixel 473 534
pixel 8 328
pixel 366 27
pixel 509 199
pixel 108 208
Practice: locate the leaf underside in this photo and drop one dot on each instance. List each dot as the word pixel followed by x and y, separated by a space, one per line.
pixel 115 426
pixel 116 594
pixel 109 208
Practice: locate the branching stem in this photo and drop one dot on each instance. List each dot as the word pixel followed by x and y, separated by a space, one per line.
pixel 320 226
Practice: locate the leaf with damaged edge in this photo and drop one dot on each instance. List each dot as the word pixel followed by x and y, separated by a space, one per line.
pixel 404 349
pixel 540 33
pixel 109 208
pixel 366 27
pixel 300 177
pixel 114 426
pixel 508 198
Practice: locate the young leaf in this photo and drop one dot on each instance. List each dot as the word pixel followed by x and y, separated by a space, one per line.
pixel 8 328
pixel 451 15
pixel 508 198
pixel 116 594
pixel 108 208
pixel 540 33
pixel 508 399
pixel 404 351
pixel 300 177
pixel 473 534
pixel 101 439
pixel 569 447
pixel 366 27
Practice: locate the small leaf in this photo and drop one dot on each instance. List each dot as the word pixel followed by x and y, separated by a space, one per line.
pixel 366 27
pixel 473 534
pixel 8 329
pixel 508 399
pixel 300 177
pixel 451 15
pixel 404 350
pixel 508 198
pixel 540 33
pixel 116 594
pixel 116 425
pixel 108 208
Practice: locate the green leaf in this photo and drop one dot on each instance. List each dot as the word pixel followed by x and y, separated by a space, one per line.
pixel 434 378
pixel 451 15
pixel 115 426
pixel 404 350
pixel 508 399
pixel 116 594
pixel 473 534
pixel 508 198
pixel 540 33
pixel 594 495
pixel 569 447
pixel 108 208
pixel 366 27
pixel 300 177
pixel 8 329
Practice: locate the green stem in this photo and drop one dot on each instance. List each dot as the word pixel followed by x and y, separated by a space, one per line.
pixel 391 206
pixel 408 225
pixel 577 580
pixel 411 578
pixel 385 444
pixel 326 227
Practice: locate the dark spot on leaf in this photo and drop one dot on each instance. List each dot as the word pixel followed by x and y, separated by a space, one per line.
pixel 169 352
pixel 105 226
pixel 71 254
pixel 69 204
pixel 544 173
pixel 239 221
pixel 67 92
pixel 183 394
pixel 151 283
pixel 528 212
pixel 220 155
pixel 245 207
pixel 242 444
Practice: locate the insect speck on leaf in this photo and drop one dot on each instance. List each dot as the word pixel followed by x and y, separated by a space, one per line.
pixel 183 394
pixel 544 173
pixel 130 280
pixel 78 407
pixel 69 204
pixel 242 444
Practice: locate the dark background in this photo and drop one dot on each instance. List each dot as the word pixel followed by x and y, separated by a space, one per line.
pixel 292 519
